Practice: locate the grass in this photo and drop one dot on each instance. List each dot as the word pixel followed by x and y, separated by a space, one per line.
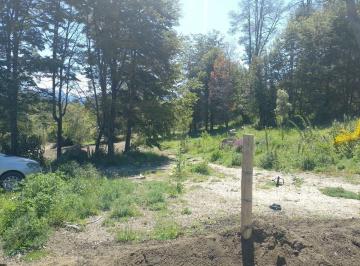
pixel 129 235
pixel 186 211
pixel 339 192
pixel 47 201
pixel 35 256
pixel 166 230
pixel 309 149
pixel 201 168
pixel 267 185
pixel 298 182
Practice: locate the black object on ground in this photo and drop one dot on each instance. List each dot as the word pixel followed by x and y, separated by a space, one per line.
pixel 275 207
pixel 277 181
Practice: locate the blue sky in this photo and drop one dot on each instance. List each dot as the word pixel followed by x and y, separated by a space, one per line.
pixel 202 16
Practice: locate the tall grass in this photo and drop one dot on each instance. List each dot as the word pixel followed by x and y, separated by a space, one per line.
pixel 304 148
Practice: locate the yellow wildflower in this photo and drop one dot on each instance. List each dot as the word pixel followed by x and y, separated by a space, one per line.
pixel 347 136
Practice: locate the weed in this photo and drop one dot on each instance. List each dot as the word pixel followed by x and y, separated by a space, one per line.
pixel 35 255
pixel 298 182
pixel 165 230
pixel 339 192
pixel 269 160
pixel 128 235
pixel 124 208
pixel 186 211
pixel 201 168
pixel 267 185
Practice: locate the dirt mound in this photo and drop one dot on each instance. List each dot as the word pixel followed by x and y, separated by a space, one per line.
pixel 278 241
pixel 311 243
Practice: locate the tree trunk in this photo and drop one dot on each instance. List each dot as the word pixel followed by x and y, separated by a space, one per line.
pixel 128 136
pixel 98 141
pixel 112 116
pixel 14 93
pixel 14 121
pixel 59 138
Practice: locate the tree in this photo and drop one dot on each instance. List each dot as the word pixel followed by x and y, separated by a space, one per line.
pixel 283 108
pixel 315 60
pixel 353 18
pixel 257 23
pixel 20 37
pixel 222 91
pixel 201 53
pixel 150 74
pixel 64 36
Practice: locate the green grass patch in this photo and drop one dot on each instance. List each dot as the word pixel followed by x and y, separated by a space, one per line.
pixel 166 230
pixel 186 211
pixel 298 182
pixel 35 255
pixel 267 185
pixel 129 235
pixel 47 201
pixel 339 192
pixel 201 168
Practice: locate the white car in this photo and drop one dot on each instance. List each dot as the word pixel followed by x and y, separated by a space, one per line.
pixel 13 169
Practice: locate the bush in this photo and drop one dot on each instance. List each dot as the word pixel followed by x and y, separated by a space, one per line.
pixel 236 159
pixel 27 232
pixel 73 169
pixel 165 230
pixel 340 192
pixel 52 199
pixel 269 161
pixel 201 168
pixel 215 156
pixel 124 207
pixel 308 163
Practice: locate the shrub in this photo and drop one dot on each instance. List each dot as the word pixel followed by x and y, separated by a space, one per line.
pixel 340 192
pixel 124 208
pixel 236 159
pixel 201 168
pixel 73 169
pixel 27 232
pixel 165 230
pixel 186 211
pixel 269 160
pixel 308 163
pixel 215 156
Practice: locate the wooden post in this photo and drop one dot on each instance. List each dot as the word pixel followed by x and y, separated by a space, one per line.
pixel 246 186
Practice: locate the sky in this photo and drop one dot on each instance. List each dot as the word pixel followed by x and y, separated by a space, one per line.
pixel 202 16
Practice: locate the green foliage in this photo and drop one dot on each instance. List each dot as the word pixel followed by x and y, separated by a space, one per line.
pixel 269 161
pixel 128 235
pixel 124 208
pixel 303 148
pixel 201 168
pixel 79 124
pixel 51 200
pixel 165 230
pixel 27 232
pixel 339 192
pixel 186 211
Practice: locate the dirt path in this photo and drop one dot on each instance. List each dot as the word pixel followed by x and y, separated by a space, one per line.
pixel 303 200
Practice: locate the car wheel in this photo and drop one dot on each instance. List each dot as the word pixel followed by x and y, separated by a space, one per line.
pixel 10 181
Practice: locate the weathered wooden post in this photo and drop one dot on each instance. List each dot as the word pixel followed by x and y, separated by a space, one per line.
pixel 246 186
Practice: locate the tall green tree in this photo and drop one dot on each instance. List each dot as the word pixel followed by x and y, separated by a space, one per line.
pixel 20 38
pixel 63 38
